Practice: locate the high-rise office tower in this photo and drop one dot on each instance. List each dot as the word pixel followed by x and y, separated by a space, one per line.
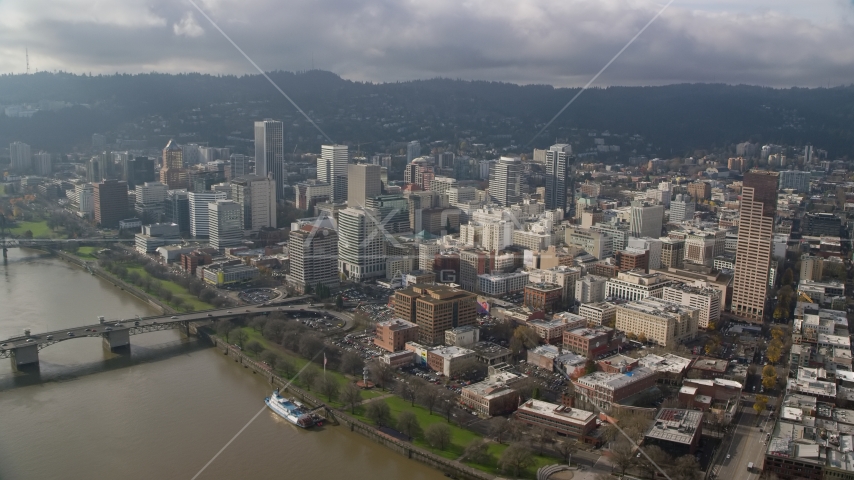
pixel 139 170
pixel 226 225
pixel 42 164
pixel 646 219
pixel 199 215
pixel 363 182
pixel 111 202
pixel 21 156
pixel 505 181
pixel 413 151
pixel 178 209
pixel 93 170
pixel 150 201
pixel 796 180
pixel 559 178
pixel 172 172
pixel 681 209
pixel 256 197
pixel 269 153
pixel 332 169
pixel 239 165
pixel 753 253
pixel 361 244
pixel 313 254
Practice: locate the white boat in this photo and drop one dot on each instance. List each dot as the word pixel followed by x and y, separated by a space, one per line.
pixel 290 410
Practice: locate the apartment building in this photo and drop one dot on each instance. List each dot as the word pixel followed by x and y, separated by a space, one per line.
pixel 664 323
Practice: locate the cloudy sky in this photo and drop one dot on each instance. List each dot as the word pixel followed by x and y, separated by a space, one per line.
pixel 559 42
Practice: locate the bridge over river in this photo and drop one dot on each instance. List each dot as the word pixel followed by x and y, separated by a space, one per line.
pixel 24 349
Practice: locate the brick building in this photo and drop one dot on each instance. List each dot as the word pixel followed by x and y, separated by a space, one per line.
pixel 543 296
pixel 435 309
pixel 392 335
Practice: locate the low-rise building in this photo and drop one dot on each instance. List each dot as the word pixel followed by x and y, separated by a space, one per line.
pixel 398 359
pixel 706 300
pixel 393 334
pixel 602 313
pixel 462 336
pixel 420 352
pixel 671 368
pixel 449 360
pixel 566 421
pixel 543 356
pixel 497 284
pixel 593 342
pixel 664 323
pixel 493 396
pixel 491 353
pixel 636 285
pixel 709 368
pixel 543 296
pixel 220 275
pixel 617 364
pixel 676 431
pixel 604 389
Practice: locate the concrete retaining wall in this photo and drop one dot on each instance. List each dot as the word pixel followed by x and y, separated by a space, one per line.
pixel 407 449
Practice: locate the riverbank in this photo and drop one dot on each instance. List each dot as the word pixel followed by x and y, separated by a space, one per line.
pixel 336 416
pixel 130 289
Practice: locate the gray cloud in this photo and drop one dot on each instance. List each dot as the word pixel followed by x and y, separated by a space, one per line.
pixel 524 41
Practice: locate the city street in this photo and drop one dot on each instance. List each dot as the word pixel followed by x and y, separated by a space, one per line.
pixel 746 445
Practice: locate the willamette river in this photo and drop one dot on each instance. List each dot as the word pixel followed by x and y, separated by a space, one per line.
pixel 160 412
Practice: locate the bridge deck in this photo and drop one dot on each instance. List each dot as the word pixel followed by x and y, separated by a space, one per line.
pixel 141 325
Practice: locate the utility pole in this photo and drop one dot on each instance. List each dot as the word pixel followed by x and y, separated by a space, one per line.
pixel 27 55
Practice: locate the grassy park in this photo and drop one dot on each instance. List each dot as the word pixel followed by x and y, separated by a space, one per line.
pixel 39 229
pixel 177 290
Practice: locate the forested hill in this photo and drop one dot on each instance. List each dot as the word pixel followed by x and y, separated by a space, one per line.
pixel 676 119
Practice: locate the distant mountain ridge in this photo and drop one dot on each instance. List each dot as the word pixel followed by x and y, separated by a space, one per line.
pixel 676 119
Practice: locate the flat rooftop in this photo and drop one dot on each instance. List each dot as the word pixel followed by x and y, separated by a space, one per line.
pixel 674 425
pixel 559 413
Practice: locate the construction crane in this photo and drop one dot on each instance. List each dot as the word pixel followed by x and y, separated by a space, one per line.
pixel 359 147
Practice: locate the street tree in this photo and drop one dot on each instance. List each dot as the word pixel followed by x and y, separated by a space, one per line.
pixel 769 382
pixel 516 459
pixel 381 373
pixel 270 358
pixel 566 448
pixel 447 402
pixel 477 451
pixel 328 387
pixel 239 336
pixel 429 397
pixel 438 435
pixel 352 364
pixel 309 375
pixel 379 412
pixel 351 395
pixel 623 456
pixel 254 346
pixel 407 423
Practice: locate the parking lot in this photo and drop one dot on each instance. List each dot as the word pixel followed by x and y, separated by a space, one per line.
pixel 257 295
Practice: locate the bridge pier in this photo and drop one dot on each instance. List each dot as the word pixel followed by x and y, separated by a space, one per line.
pixel 117 338
pixel 26 355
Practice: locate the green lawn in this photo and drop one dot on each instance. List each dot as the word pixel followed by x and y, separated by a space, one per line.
pixel 177 290
pixel 39 229
pixel 496 449
pixel 300 362
pixel 86 253
pixel 460 437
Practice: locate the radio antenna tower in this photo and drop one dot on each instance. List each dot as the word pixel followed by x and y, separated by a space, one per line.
pixel 27 55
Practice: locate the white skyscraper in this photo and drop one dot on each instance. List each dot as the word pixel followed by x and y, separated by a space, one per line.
pixel 413 151
pixel 21 157
pixel 334 160
pixel 199 214
pixel 505 181
pixel 363 182
pixel 256 197
pixel 682 208
pixel 646 219
pixel 361 245
pixel 269 153
pixel 226 225
pixel 150 201
pixel 42 163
